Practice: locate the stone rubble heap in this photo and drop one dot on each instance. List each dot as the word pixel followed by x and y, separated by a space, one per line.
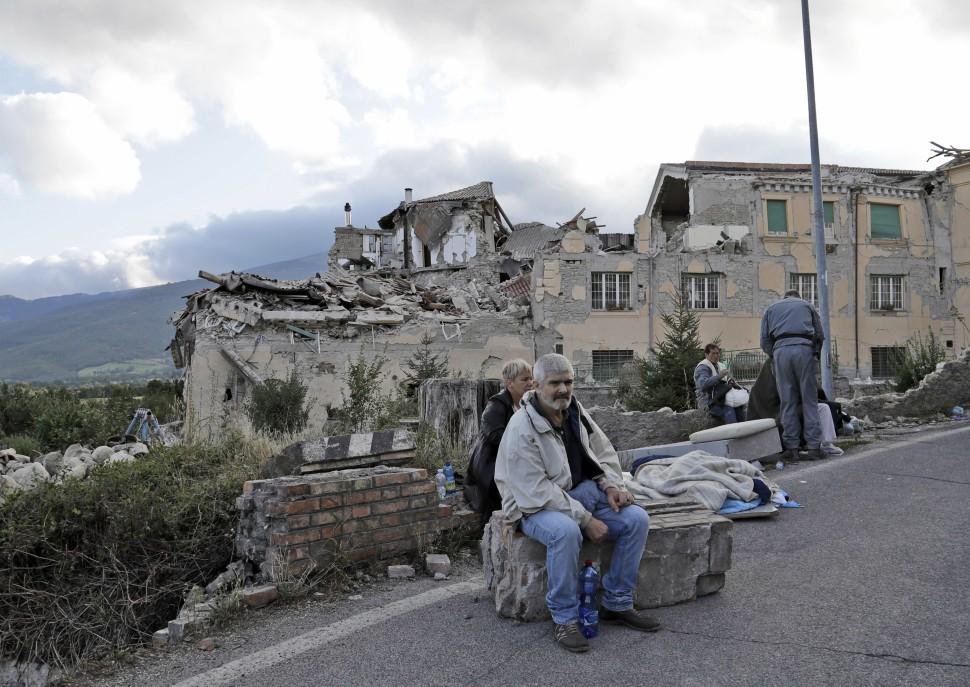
pixel 19 472
pixel 339 302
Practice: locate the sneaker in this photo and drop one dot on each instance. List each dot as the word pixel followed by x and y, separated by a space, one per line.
pixel 570 638
pixel 788 455
pixel 811 454
pixel 630 618
pixel 831 450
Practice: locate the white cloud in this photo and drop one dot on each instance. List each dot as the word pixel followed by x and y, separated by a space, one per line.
pixel 9 186
pixel 149 110
pixel 58 143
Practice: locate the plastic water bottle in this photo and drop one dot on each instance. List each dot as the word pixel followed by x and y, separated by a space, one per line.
pixel 439 480
pixel 779 465
pixel 589 616
pixel 449 471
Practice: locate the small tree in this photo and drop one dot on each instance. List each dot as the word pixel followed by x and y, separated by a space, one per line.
pixel 667 379
pixel 916 360
pixel 424 364
pixel 365 407
pixel 278 408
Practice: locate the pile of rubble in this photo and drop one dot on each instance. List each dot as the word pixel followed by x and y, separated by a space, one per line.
pixel 340 302
pixel 19 472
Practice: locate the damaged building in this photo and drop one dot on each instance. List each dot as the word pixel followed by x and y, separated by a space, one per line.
pixel 736 236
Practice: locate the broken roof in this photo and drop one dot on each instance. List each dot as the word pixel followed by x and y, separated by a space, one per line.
pixel 480 191
pixel 529 238
pixel 705 165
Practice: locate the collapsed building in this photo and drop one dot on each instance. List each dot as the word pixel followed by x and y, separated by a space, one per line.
pixel 735 236
pixel 451 269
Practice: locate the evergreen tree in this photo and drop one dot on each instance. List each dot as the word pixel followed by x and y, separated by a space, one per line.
pixel 666 379
pixel 424 364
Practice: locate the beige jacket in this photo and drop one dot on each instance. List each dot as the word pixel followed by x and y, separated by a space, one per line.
pixel 532 471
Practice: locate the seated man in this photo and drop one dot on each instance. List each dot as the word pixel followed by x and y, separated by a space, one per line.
pixel 707 375
pixel 559 479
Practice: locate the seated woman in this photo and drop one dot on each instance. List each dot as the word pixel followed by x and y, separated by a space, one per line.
pixel 480 490
pixel 707 377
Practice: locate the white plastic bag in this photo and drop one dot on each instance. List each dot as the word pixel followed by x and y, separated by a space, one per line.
pixel 736 397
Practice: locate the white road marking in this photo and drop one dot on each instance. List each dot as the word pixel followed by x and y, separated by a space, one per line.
pixel 316 638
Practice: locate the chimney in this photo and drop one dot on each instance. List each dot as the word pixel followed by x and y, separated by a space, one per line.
pixel 407 195
pixel 347 222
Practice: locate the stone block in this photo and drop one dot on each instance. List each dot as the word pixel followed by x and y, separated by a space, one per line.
pixel 437 563
pixel 160 638
pixel 677 556
pixel 399 572
pixel 257 597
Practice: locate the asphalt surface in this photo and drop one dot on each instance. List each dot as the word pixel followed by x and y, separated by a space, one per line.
pixel 865 585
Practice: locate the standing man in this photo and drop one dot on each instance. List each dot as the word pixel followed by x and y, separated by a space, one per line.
pixel 791 335
pixel 560 479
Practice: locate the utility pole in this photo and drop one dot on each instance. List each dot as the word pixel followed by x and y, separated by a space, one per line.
pixel 818 223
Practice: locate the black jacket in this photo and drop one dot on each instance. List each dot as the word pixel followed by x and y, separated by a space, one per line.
pixel 480 490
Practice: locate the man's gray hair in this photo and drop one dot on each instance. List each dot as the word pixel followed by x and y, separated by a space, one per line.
pixel 792 292
pixel 550 364
pixel 513 368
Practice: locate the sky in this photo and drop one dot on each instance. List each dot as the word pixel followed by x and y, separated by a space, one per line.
pixel 141 141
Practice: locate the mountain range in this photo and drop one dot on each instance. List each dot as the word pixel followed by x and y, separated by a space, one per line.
pixel 110 336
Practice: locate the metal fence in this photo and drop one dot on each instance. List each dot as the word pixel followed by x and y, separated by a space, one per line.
pixel 744 364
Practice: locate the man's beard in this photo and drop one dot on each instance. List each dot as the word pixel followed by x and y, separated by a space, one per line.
pixel 558 403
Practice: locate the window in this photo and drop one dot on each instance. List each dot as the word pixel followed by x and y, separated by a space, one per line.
pixel 611 291
pixel 777 216
pixel 828 208
pixel 370 243
pixel 607 364
pixel 559 348
pixel 806 285
pixel 887 292
pixel 701 291
pixel 884 221
pixel 884 360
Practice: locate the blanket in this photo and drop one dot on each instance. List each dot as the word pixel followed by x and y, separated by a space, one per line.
pixel 706 478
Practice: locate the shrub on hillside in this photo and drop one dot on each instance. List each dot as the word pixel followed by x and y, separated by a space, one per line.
pixel 96 564
pixel 24 444
pixel 18 407
pixel 916 360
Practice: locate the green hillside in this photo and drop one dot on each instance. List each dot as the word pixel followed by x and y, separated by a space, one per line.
pixel 117 336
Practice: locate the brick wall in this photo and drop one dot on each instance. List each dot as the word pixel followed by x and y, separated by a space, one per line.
pixel 347 516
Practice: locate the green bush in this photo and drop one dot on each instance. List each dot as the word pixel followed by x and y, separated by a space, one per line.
pixel 97 564
pixel 18 408
pixel 278 408
pixel 916 360
pixel 24 444
pixel 366 407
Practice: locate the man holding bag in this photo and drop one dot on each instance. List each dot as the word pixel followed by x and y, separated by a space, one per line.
pixel 715 388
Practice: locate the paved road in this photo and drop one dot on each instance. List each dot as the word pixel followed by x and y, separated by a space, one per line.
pixel 866 585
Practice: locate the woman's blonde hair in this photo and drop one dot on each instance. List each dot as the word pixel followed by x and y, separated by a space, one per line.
pixel 513 368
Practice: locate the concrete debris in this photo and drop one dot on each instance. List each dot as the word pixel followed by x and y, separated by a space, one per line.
pixel 160 638
pixel 207 644
pixel 389 447
pixel 437 563
pixel 400 572
pixel 263 595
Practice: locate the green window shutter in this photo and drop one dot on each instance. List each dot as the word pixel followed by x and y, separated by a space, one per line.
pixel 884 221
pixel 777 216
pixel 828 207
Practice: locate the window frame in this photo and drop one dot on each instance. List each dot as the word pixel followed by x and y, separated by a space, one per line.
pixel 609 291
pixel 689 293
pixel 877 291
pixel 617 358
pixel 794 282
pixel 787 209
pixel 899 220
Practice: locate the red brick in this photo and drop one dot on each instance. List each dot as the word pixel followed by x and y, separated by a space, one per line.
pixel 301 506
pixel 394 519
pixel 396 547
pixel 419 475
pixel 388 493
pixel 302 537
pixel 327 517
pixel 391 534
pixel 444 510
pixel 423 501
pixel 362 524
pixel 284 490
pixel 361 511
pixel 365 496
pixel 327 502
pixel 357 540
pixel 418 488
pixel 324 549
pixel 296 553
pixel 391 478
pixel 363 554
pixel 362 483
pixel 297 522
pixel 390 506
pixel 321 488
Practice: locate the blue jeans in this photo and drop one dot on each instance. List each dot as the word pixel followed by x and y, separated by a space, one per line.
pixel 728 414
pixel 563 540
